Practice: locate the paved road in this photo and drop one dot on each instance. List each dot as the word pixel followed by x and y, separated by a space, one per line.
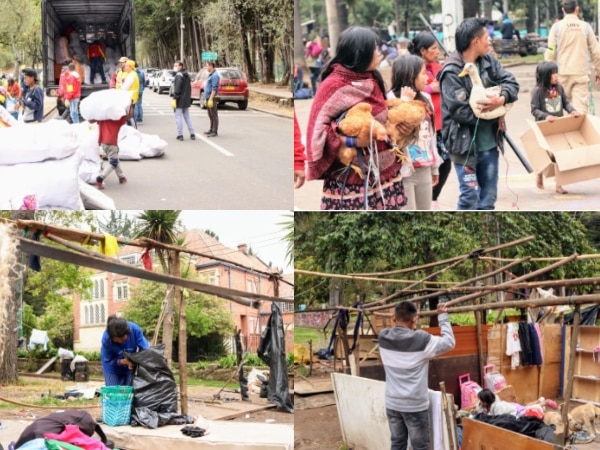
pixel 248 166
pixel 516 188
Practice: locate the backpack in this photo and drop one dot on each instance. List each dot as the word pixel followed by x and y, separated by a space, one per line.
pixel 494 380
pixel 55 423
pixel 468 391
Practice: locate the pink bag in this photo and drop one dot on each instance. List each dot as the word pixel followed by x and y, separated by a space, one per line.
pixel 468 391
pixel 494 380
pixel 73 435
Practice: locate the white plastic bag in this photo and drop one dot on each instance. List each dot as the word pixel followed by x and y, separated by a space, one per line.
pixel 93 198
pixel 108 104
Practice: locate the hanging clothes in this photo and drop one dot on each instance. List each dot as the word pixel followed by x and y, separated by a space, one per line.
pixel 536 354
pixel 538 331
pixel 110 246
pixel 147 260
pixel 526 351
pixel 513 344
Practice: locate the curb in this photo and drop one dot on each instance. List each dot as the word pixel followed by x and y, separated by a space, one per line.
pixel 267 111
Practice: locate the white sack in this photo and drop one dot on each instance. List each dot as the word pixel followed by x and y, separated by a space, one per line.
pixel 6 115
pixel 55 183
pixel 108 104
pixel 152 146
pixel 93 198
pixel 34 143
pixel 130 142
pixel 89 170
pixel 87 140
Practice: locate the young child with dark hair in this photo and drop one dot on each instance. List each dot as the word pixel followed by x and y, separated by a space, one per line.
pixel 549 101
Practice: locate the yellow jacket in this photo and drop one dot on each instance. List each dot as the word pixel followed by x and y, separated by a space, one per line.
pixel 571 44
pixel 131 83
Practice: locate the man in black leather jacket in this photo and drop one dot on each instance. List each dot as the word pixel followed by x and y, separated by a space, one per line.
pixel 474 143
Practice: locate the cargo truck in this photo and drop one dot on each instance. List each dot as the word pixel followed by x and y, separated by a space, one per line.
pixel 76 24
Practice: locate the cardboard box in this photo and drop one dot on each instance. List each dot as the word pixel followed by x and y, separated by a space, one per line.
pixel 568 148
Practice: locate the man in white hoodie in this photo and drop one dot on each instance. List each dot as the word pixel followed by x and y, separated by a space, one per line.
pixel 405 353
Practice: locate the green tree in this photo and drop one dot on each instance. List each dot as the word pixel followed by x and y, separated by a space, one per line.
pixel 206 314
pixel 366 242
pixel 118 223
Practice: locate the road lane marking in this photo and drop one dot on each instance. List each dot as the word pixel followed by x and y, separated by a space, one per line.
pixel 213 145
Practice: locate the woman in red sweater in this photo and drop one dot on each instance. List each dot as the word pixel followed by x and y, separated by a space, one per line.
pixel 349 78
pixel 425 46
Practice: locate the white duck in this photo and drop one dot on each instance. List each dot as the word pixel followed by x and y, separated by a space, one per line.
pixel 479 93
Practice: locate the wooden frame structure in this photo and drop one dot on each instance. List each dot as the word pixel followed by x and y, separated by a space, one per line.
pixel 79 255
pixel 419 290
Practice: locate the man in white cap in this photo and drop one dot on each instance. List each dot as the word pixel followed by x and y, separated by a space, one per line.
pixel 117 78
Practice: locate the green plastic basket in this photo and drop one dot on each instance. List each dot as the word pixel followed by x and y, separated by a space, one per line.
pixel 116 405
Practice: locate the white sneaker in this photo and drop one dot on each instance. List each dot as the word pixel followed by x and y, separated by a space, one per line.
pixel 435 205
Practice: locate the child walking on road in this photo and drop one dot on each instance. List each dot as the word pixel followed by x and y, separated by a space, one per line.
pixel 108 139
pixel 549 101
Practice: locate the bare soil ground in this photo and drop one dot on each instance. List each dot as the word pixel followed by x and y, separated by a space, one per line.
pixel 201 402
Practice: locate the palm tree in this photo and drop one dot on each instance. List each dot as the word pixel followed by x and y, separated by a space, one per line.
pixel 164 226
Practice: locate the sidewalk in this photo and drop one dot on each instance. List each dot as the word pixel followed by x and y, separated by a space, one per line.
pixel 516 187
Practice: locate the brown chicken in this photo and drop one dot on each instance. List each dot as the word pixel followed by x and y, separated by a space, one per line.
pixel 357 123
pixel 400 111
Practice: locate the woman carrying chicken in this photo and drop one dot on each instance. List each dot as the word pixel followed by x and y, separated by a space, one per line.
pixel 349 78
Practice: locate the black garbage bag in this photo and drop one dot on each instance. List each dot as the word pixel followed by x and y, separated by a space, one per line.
pixel 154 385
pixel 588 316
pixel 152 419
pixel 272 351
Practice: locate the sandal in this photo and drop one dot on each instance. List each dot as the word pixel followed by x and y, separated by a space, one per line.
pixel 552 404
pixel 560 190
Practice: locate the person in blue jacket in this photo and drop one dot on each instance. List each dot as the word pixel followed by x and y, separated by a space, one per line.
pixel 120 337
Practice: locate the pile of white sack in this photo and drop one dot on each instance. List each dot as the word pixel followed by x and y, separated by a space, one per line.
pixel 52 165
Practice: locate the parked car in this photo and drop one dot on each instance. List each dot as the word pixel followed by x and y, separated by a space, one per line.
pixel 162 80
pixel 148 72
pixel 233 87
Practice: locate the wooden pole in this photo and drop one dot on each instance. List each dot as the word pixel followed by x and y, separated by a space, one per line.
pixel 570 368
pixel 182 351
pixel 450 423
pixel 451 260
pixel 478 313
pixel 516 280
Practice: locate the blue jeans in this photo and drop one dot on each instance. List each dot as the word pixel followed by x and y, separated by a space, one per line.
pixel 138 112
pixel 409 424
pixel 478 189
pixel 182 114
pixel 74 111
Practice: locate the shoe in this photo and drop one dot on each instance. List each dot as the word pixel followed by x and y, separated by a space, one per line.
pixel 139 121
pixel 99 184
pixel 551 404
pixel 581 437
pixel 435 205
pixel 180 138
pixel 122 180
pixel 539 181
pixel 213 134
pixel 560 190
pixel 193 137
pixel 208 132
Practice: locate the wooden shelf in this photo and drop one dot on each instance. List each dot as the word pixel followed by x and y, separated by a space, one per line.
pixel 586 377
pixel 584 350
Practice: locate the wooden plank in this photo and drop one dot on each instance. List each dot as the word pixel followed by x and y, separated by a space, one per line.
pixel 45 366
pixel 482 436
pixel 115 266
pixel 314 386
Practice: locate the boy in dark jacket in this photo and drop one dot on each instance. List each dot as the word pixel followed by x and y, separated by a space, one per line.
pixel 473 143
pixel 182 93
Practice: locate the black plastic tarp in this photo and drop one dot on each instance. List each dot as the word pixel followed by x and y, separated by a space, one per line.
pixel 588 316
pixel 154 390
pixel 272 351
